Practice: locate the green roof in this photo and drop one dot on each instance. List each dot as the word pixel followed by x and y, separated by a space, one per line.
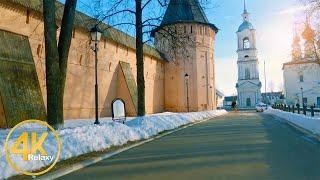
pixel 185 11
pixel 230 98
pixel 86 22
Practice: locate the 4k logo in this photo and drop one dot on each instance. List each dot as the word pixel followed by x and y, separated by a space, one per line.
pixel 28 153
pixel 29 146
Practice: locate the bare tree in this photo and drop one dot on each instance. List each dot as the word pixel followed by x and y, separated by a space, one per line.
pixel 312 13
pixel 144 16
pixel 313 6
pixel 57 57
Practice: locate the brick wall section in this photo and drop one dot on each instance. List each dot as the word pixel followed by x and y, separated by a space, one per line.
pixel 79 93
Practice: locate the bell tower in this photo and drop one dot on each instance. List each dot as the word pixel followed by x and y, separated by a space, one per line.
pixel 249 85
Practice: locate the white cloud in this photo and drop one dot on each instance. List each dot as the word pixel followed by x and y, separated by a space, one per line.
pixel 293 10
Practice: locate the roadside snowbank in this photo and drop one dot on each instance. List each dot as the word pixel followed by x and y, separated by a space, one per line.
pixel 308 123
pixel 81 136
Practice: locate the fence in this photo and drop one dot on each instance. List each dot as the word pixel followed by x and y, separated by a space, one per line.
pixel 312 111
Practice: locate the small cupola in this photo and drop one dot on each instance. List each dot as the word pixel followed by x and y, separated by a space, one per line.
pixel 246 17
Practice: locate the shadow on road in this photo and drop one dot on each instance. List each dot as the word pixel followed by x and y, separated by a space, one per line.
pixel 241 145
pixel 290 155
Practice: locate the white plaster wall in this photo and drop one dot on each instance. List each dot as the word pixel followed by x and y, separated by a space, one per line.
pixel 311 84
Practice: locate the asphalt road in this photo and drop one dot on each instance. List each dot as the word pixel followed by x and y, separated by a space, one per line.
pixel 235 146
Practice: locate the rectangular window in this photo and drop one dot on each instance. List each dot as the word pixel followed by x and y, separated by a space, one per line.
pixel 247 73
pixel 318 101
pixel 301 78
pixel 80 60
pixel 39 50
pixel 305 100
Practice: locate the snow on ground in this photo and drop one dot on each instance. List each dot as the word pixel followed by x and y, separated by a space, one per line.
pixel 311 124
pixel 81 136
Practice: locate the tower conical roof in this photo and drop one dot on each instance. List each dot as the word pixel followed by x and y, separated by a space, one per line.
pixel 185 11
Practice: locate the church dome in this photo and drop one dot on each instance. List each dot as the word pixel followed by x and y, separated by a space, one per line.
pixel 245 25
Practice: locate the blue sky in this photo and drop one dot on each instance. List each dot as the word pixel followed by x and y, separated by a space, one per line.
pixel 274 22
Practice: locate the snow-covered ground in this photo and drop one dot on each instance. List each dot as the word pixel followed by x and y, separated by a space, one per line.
pixel 311 124
pixel 81 136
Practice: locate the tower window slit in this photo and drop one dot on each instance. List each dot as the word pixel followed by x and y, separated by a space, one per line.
pixel 28 17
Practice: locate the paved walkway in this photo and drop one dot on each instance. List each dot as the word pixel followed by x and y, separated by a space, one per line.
pixel 237 146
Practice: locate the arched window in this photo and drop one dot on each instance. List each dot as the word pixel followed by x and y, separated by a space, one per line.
pixel 246 56
pixel 246 43
pixel 247 73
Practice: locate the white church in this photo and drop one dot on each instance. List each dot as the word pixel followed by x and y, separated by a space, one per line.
pixel 302 73
pixel 249 85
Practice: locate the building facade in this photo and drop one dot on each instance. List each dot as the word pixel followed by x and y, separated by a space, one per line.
pixel 249 85
pixel 228 100
pixel 22 63
pixel 302 73
pixel 219 99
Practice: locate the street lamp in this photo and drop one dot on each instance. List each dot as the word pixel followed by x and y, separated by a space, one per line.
pixel 95 38
pixel 186 77
pixel 213 99
pixel 302 96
